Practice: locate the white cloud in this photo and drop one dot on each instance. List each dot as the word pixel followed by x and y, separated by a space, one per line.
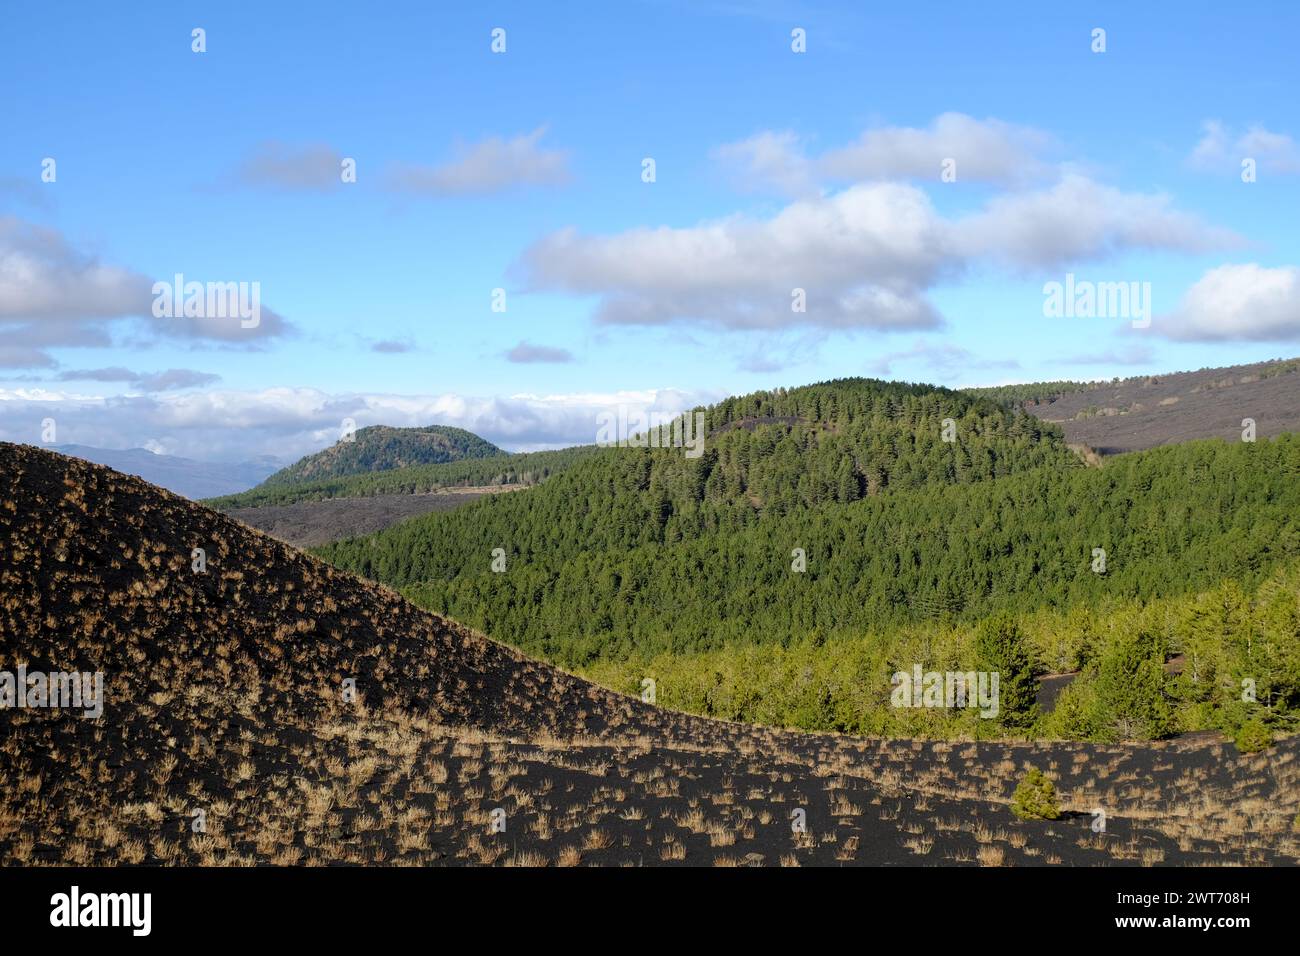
pixel 1223 149
pixel 490 166
pixel 1240 303
pixel 43 278
pixel 986 150
pixel 862 257
pixel 1078 219
pixel 865 257
pixel 53 294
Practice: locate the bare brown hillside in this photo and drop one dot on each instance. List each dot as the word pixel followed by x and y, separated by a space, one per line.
pixel 1139 413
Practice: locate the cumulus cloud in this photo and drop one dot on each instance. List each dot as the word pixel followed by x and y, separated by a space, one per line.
pixel 491 166
pixel 287 423
pixel 864 257
pixel 1078 219
pixel 42 277
pixel 987 150
pixel 527 353
pixel 54 294
pixel 315 167
pixel 1247 302
pixel 1222 149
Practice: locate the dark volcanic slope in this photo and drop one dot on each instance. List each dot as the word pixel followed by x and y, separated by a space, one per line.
pixel 97 574
pixel 306 524
pixel 1165 409
pixel 225 738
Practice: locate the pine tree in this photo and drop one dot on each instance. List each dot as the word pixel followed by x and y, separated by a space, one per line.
pixel 1035 797
pixel 1132 688
pixel 1001 648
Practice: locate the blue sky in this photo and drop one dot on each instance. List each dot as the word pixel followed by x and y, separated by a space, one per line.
pixel 522 171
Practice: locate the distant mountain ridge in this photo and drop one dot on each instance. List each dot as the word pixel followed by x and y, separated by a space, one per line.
pixel 383 448
pixel 183 476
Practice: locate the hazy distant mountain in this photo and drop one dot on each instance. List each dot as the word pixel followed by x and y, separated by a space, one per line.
pixel 184 476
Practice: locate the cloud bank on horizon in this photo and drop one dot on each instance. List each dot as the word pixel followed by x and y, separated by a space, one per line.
pixel 460 235
pixel 287 423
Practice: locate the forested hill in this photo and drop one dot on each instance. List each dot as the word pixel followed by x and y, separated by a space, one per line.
pixel 595 571
pixel 788 454
pixel 381 448
pixel 851 438
pixel 765 454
